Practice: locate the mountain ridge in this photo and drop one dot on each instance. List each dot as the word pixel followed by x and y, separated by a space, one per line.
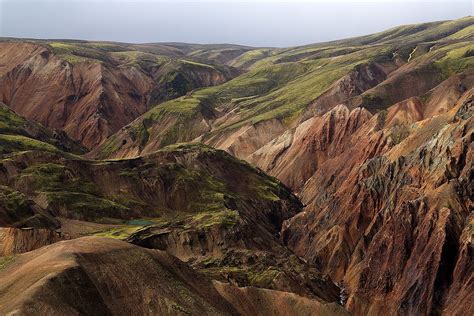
pixel 329 178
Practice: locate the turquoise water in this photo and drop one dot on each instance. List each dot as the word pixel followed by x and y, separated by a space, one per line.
pixel 139 222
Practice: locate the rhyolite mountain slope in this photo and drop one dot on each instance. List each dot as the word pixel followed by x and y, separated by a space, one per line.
pixel 389 201
pixel 373 135
pixel 207 208
pixel 283 89
pixel 91 89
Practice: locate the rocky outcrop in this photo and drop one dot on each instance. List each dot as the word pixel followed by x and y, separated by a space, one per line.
pixel 296 155
pixel 389 216
pixel 19 240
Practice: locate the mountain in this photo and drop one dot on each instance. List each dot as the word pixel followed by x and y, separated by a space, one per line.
pixel 330 178
pixel 219 214
pixel 399 189
pixel 93 275
pixel 282 90
pixel 91 89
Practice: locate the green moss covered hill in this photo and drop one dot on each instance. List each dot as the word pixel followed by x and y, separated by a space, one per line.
pixel 196 202
pixel 283 86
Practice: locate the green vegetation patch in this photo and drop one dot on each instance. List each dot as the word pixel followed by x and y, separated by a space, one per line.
pixel 6 261
pixel 13 143
pixel 14 205
pixel 458 57
pixel 84 206
pixel 76 53
pixel 121 232
pixel 55 177
pixel 10 123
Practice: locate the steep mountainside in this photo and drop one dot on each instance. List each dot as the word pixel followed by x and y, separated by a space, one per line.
pixel 390 215
pixel 202 205
pixel 287 86
pixel 90 90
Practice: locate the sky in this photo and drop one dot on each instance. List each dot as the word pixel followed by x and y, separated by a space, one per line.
pixel 255 23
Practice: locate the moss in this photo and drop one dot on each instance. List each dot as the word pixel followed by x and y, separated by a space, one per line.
pixel 465 33
pixel 381 117
pixel 10 122
pixel 264 278
pixel 180 309
pixel 259 185
pixel 424 98
pixel 84 206
pixel 55 177
pixel 121 233
pixel 15 125
pixel 399 133
pixel 246 59
pixel 372 101
pixel 14 205
pixel 76 53
pixel 12 143
pixel 259 275
pixel 457 58
pixel 205 220
pixel 6 261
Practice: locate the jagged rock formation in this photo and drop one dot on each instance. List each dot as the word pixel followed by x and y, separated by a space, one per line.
pixel 398 192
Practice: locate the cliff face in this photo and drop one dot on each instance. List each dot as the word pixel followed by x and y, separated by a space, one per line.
pixel 399 192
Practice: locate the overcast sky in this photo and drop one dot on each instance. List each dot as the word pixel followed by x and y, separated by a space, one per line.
pixel 256 23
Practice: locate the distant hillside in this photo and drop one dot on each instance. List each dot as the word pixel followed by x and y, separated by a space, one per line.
pixel 92 89
pixel 291 85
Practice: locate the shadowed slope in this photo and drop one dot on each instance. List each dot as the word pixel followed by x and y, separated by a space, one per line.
pixel 94 275
pixel 198 203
